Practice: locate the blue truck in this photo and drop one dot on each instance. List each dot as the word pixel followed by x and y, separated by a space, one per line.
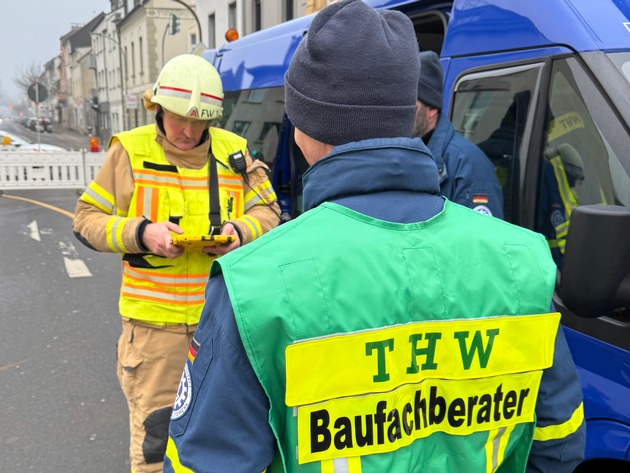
pixel 532 83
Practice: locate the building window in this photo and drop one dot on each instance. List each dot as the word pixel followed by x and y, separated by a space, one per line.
pixel 241 127
pixel 133 60
pixel 141 56
pixel 232 15
pixel 257 16
pixel 288 6
pixel 256 95
pixel 212 31
pixel 193 40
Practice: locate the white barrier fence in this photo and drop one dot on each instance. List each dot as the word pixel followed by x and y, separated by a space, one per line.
pixel 48 170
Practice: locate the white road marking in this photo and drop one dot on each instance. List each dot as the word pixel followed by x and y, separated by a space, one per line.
pixel 68 249
pixel 76 268
pixel 34 231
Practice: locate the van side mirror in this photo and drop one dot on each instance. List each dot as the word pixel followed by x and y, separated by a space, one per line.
pixel 595 278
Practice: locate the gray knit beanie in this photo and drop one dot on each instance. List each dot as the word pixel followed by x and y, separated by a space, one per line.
pixel 430 81
pixel 352 76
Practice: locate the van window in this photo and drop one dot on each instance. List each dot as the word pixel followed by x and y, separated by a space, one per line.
pixel 430 30
pixel 583 159
pixel 585 144
pixel 255 115
pixel 490 109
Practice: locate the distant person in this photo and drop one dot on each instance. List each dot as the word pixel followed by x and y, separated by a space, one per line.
pixel 179 175
pixel 466 174
pixel 393 331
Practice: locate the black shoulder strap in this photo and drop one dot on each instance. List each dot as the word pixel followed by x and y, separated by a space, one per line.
pixel 215 208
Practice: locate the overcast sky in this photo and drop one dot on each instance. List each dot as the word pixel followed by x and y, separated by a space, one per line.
pixel 31 30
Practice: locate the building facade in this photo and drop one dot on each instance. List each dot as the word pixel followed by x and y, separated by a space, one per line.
pixel 105 66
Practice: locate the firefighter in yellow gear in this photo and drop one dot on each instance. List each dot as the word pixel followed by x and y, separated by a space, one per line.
pixel 563 174
pixel 179 175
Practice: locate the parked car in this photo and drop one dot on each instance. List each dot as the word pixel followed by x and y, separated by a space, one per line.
pixel 32 124
pixel 39 124
pixel 46 124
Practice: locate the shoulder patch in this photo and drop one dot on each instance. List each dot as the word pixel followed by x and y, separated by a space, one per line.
pixel 192 350
pixel 557 218
pixel 184 395
pixel 482 209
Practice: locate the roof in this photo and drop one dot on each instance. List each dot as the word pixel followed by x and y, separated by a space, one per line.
pixel 79 37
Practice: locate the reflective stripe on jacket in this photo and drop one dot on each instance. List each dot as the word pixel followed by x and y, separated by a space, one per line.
pixel 569 201
pixel 164 290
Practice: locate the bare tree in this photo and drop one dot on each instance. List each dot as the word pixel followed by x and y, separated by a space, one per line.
pixel 27 75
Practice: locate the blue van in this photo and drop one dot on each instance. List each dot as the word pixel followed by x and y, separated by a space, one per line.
pixel 533 83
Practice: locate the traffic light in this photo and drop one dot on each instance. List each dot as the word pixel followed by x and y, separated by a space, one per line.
pixel 174 24
pixel 94 103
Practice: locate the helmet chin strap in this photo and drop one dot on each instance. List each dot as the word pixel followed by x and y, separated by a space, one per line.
pixel 159 120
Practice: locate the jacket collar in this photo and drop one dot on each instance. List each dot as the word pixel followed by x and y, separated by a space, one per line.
pixel 441 137
pixel 368 166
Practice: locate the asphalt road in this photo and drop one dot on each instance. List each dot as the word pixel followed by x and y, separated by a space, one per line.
pixel 62 408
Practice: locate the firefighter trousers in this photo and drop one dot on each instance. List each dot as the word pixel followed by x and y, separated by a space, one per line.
pixel 150 364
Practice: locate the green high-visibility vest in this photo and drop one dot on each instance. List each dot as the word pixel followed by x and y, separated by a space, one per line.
pixel 397 347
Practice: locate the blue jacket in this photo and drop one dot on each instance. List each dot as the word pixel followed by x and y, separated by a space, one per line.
pixel 467 176
pixel 220 417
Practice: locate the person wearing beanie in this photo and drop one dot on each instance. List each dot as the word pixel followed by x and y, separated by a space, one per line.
pixel 147 191
pixel 393 329
pixel 467 176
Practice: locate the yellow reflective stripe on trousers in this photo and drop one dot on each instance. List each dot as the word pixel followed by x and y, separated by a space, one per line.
pixel 342 465
pixel 553 432
pixel 173 455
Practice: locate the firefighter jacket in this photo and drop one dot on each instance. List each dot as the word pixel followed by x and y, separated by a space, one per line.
pixel 144 177
pixel 380 358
